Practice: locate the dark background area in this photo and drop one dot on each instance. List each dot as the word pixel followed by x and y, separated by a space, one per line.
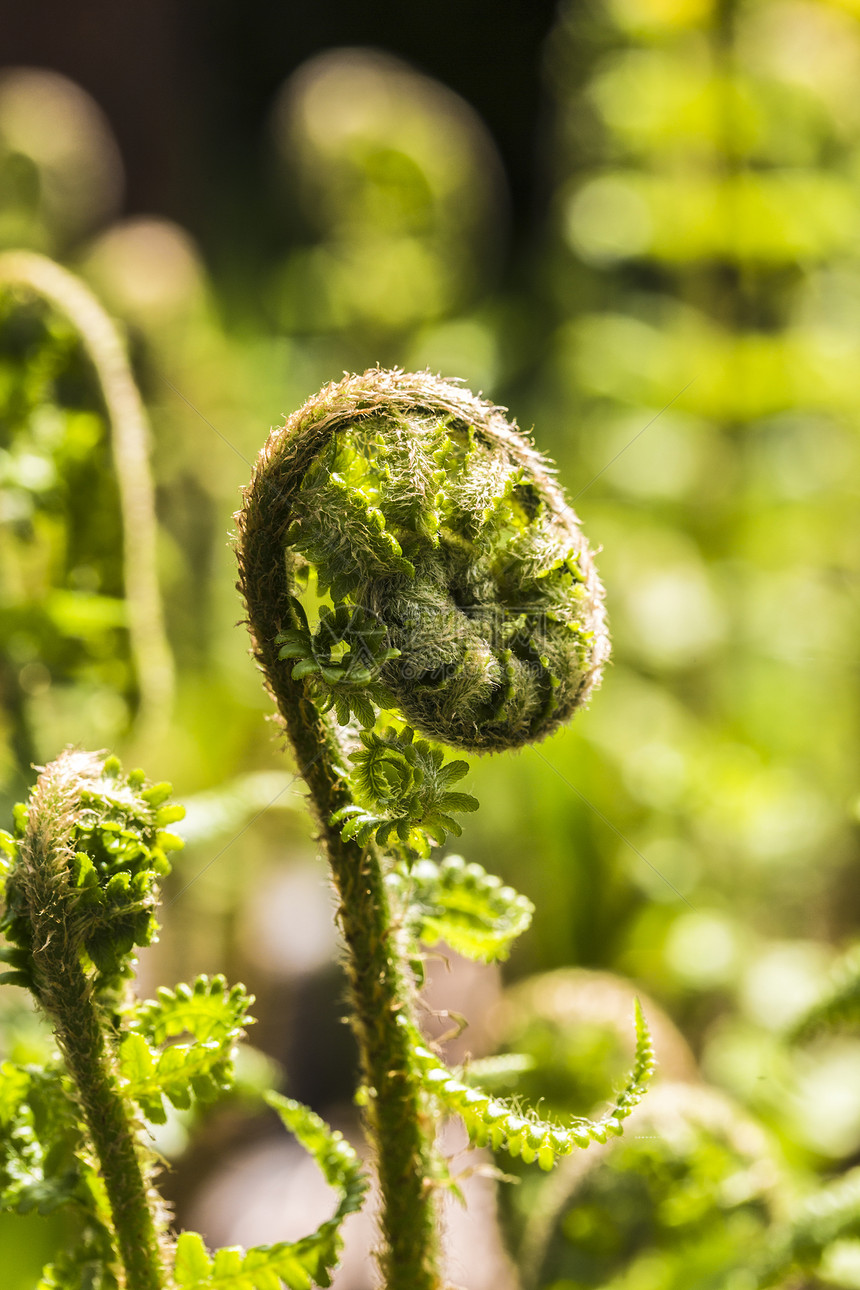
pixel 187 89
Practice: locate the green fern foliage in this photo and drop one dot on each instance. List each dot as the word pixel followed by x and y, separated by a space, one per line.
pixel 342 659
pixel 40 1140
pixel 830 1214
pixel 492 1121
pixel 46 1165
pixel 463 905
pixel 153 1069
pixel 208 1010
pixel 838 1007
pixel 85 857
pixel 89 1265
pixel 298 1265
pixel 406 785
pixel 117 856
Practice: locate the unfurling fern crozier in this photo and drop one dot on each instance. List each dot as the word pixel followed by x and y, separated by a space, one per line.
pixel 428 519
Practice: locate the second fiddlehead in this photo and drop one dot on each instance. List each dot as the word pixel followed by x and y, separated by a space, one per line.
pixel 402 547
pixel 79 880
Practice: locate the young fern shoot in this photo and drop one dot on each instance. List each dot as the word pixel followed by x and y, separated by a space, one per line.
pixel 451 590
pixel 81 873
pixel 80 895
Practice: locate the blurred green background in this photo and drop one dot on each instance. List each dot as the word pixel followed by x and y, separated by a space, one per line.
pixel 635 223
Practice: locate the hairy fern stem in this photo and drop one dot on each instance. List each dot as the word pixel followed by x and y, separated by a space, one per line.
pixel 381 991
pixel 379 978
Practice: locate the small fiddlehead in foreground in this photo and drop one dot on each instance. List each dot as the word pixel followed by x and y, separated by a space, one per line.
pixel 83 878
pixel 450 586
pixel 80 876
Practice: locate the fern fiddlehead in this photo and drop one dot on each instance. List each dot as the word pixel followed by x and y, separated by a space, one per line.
pixel 420 506
pixel 454 588
pixel 81 894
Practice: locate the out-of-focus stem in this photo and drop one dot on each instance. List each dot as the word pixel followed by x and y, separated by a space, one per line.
pixel 130 439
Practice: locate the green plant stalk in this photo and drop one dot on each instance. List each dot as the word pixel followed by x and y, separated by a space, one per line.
pixel 380 983
pixel 65 992
pixel 111 1128
pixel 381 991
pixel 130 437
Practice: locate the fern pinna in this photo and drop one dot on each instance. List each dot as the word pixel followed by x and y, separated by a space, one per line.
pixel 414 578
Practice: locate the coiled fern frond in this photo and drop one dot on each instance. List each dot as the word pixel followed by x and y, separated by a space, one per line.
pixel 424 508
pixel 90 852
pixel 407 781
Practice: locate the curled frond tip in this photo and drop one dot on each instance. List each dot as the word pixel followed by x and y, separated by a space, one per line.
pixel 428 522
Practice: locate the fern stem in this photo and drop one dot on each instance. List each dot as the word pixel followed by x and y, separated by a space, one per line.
pixel 65 991
pixel 130 441
pixel 111 1128
pixel 380 989
pixel 379 979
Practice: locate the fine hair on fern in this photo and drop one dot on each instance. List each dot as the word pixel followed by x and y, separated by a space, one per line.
pixel 415 579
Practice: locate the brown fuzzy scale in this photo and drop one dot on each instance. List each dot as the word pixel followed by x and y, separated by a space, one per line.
pixel 381 987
